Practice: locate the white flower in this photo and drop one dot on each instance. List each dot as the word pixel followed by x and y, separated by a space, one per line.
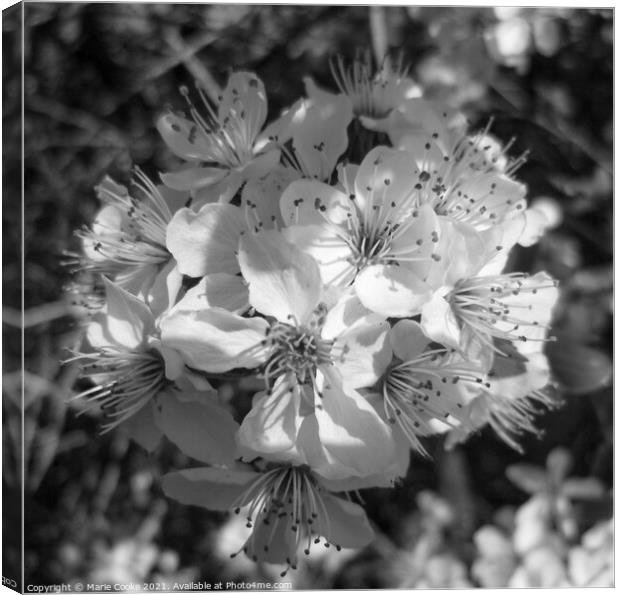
pixel 372 94
pixel 372 233
pixel 287 506
pixel 511 307
pixel 222 147
pixel 514 394
pixel 127 241
pixel 128 366
pixel 313 362
pixel 317 130
pixel 426 390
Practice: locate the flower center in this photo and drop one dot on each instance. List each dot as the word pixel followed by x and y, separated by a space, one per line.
pixel 296 349
pixel 369 246
pixel 283 498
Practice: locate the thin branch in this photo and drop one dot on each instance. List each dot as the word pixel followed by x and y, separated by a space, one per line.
pixel 187 55
pixel 378 32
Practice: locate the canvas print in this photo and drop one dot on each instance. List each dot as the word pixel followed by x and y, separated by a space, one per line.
pixel 307 297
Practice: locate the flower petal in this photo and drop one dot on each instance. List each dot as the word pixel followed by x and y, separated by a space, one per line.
pixel 174 199
pixel 258 167
pixel 329 250
pixel 163 293
pixel 583 488
pixel 463 251
pixel 344 523
pixel 219 290
pixel 215 340
pixel 283 281
pixel 205 242
pixel 244 98
pixel 516 376
pixel 425 119
pixel 392 290
pixel 529 478
pixel 307 202
pixel 499 241
pixel 110 222
pixel 320 136
pixel 193 177
pixel 273 543
pixel 384 177
pixel 439 322
pixel 200 427
pixel 272 425
pixel 345 313
pixel 354 437
pixel 362 353
pixel 215 488
pixel 141 428
pixel 281 129
pixel 185 138
pixel 421 245
pixel 497 198
pixel 129 320
pixel 408 340
pixel 261 197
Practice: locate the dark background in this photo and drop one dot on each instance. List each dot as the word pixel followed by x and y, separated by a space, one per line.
pixel 96 76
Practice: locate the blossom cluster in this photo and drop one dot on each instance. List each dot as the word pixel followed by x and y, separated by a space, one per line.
pixel 349 256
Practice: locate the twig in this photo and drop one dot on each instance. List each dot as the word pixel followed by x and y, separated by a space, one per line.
pixel 37 315
pixel 378 32
pixel 74 117
pixel 187 55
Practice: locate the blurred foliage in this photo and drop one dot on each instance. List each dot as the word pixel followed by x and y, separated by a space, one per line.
pixel 96 75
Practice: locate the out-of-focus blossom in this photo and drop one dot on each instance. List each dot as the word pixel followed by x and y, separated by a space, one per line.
pixel 222 147
pixel 591 563
pixel 541 567
pixel 553 486
pixel 496 559
pixel 443 571
pixel 544 214
pixel 428 562
pixel 537 556
pixel 509 42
